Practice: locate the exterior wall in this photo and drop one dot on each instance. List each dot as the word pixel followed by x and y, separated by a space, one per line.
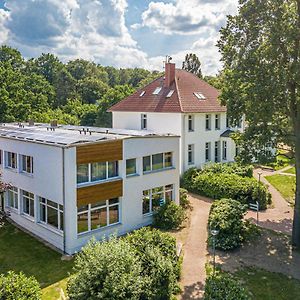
pixel 46 181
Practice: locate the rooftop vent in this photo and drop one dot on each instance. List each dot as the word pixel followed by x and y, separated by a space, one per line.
pixel 53 123
pixel 170 94
pixel 200 96
pixel 157 91
pixel 142 93
pixel 30 122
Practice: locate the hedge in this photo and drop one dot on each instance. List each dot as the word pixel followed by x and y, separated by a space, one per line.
pixel 229 168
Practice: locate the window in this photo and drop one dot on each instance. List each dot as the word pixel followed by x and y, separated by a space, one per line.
pixel 191 123
pixel 98 171
pixel 12 197
pixel 224 147
pixel 27 164
pixel 130 166
pixel 169 95
pixel 144 121
pixel 154 198
pixel 200 96
pixel 51 213
pixel 217 151
pixel 142 93
pixel 157 161
pixel 11 160
pixel 208 122
pixel 208 151
pixel 217 122
pixel 28 203
pixel 228 122
pixel 190 154
pixel 157 91
pixel 98 215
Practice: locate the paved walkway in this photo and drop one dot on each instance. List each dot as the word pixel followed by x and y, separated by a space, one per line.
pixel 280 217
pixel 195 251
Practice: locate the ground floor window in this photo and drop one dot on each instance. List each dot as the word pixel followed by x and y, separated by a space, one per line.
pixel 51 213
pixel 28 203
pixel 156 197
pixel 224 150
pixel 98 215
pixel 12 197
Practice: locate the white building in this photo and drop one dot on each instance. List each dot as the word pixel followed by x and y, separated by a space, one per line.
pixel 182 104
pixel 69 184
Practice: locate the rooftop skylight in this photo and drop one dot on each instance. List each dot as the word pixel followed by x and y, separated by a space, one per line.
pixel 142 93
pixel 170 94
pixel 157 90
pixel 200 96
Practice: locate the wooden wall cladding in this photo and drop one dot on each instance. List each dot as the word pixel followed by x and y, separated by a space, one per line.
pixel 105 151
pixel 94 193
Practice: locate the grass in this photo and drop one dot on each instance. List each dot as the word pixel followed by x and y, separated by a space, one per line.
pixel 21 252
pixel 283 159
pixel 264 285
pixel 285 185
pixel 290 171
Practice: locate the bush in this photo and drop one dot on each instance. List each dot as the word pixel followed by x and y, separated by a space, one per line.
pixel 188 178
pixel 18 286
pixel 170 216
pixel 108 270
pixel 224 287
pixel 160 264
pixel 183 198
pixel 245 190
pixel 227 215
pixel 229 168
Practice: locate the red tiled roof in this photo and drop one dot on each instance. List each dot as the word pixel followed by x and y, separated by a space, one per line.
pixel 183 99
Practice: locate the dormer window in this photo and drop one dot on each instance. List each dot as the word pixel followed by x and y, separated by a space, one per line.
pixel 200 96
pixel 170 94
pixel 157 91
pixel 142 93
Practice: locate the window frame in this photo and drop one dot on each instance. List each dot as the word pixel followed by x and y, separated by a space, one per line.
pixel 208 122
pixel 191 123
pixel 23 156
pixel 208 151
pixel 9 159
pixel 217 122
pixel 144 122
pixel 29 202
pixel 217 151
pixel 224 150
pixel 135 167
pixel 191 151
pixel 60 213
pixel 14 191
pixel 163 162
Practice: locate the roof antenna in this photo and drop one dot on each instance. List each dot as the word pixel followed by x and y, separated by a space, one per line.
pixel 167 61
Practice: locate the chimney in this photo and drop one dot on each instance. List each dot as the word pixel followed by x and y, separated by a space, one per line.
pixel 169 74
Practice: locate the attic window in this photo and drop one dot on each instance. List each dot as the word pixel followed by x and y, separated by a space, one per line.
pixel 142 93
pixel 200 96
pixel 157 90
pixel 170 94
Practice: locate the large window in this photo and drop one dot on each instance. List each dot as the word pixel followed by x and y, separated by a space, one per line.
pixel 27 164
pixel 208 122
pixel 28 203
pixel 157 161
pixel 224 150
pixel 51 213
pixel 11 160
pixel 208 151
pixel 190 154
pixel 98 215
pixel 12 197
pixel 97 171
pixel 217 151
pixel 191 123
pixel 143 121
pixel 131 166
pixel 217 122
pixel 156 197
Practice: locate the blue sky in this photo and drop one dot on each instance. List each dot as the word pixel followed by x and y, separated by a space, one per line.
pixel 122 33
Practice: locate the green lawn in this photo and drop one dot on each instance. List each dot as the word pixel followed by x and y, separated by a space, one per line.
pixel 21 252
pixel 285 185
pixel 282 160
pixel 265 285
pixel 290 171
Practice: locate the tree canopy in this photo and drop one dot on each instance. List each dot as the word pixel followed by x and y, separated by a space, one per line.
pixel 192 64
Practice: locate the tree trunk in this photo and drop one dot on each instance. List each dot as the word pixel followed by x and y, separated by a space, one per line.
pixel 296 222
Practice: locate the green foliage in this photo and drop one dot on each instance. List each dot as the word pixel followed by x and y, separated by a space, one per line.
pixel 187 180
pixel 18 286
pixel 183 198
pixel 169 216
pixel 224 287
pixel 229 168
pixel 226 215
pixel 192 64
pixel 107 270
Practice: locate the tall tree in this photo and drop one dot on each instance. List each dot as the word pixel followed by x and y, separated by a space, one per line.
pixel 192 64
pixel 260 48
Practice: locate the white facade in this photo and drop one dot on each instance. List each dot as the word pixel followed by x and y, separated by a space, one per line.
pixel 54 177
pixel 194 138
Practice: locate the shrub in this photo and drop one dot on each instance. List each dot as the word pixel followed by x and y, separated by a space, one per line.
pixel 229 168
pixel 188 178
pixel 160 264
pixel 224 287
pixel 108 270
pixel 183 198
pixel 18 286
pixel 169 216
pixel 245 190
pixel 226 215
